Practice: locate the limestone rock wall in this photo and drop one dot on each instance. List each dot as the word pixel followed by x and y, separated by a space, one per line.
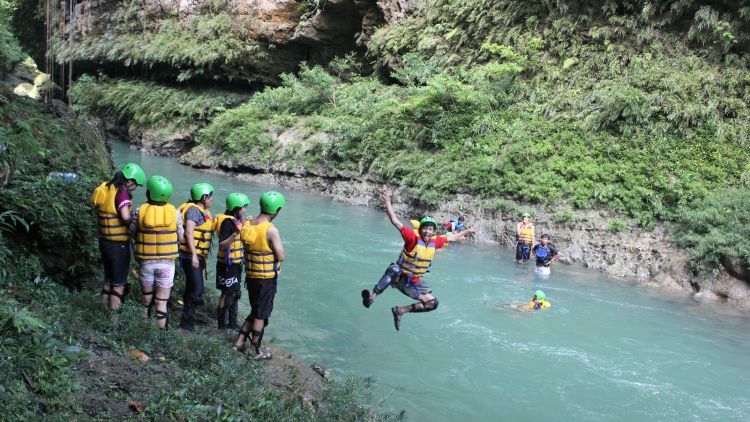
pixel 278 34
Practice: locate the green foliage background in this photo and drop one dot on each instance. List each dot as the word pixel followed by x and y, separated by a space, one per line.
pixel 147 104
pixel 47 224
pixel 130 33
pixel 640 107
pixel 10 51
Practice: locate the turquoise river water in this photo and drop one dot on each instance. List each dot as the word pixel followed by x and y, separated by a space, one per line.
pixel 606 350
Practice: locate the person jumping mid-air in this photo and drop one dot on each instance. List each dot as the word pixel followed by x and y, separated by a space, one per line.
pixel 412 265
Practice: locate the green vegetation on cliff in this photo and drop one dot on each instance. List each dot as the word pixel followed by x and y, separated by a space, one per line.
pixel 207 44
pixel 44 235
pixel 41 214
pixel 149 105
pixel 10 51
pixel 472 130
pixel 715 230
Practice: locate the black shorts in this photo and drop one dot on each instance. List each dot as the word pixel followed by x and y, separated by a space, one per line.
pixel 193 277
pixel 228 278
pixel 116 259
pixel 262 292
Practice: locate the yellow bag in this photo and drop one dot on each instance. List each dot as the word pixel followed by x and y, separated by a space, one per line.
pixel 248 234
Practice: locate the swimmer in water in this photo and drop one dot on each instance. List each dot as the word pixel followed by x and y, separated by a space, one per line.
pixel 538 301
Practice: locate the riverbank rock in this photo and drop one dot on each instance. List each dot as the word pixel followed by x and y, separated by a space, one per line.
pixel 158 141
pixel 736 268
pixel 26 80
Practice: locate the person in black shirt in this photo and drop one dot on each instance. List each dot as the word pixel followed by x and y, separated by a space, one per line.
pixel 229 260
pixel 545 254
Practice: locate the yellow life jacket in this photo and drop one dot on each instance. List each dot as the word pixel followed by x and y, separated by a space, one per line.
pixel 111 226
pixel 260 261
pixel 543 304
pixel 157 232
pixel 527 234
pixel 201 234
pixel 416 263
pixel 236 250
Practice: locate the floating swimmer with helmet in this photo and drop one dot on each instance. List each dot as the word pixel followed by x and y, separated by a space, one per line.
pixel 412 265
pixel 538 301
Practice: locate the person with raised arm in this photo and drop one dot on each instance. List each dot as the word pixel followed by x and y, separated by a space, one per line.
pixel 412 265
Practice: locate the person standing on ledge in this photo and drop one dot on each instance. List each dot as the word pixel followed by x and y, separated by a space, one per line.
pixel 263 255
pixel 199 228
pixel 229 259
pixel 412 265
pixel 524 239
pixel 113 203
pixel 157 228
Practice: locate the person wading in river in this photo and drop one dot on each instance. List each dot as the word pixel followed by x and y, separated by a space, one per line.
pixel 524 239
pixel 199 228
pixel 229 259
pixel 113 201
pixel 412 265
pixel 263 255
pixel 545 254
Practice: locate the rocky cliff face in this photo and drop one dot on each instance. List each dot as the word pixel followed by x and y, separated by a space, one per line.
pixel 262 38
pixel 26 80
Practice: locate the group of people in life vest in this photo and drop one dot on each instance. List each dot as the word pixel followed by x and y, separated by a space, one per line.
pixel 158 233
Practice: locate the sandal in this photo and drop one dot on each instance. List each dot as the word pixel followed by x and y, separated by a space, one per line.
pixel 265 355
pixel 366 301
pixel 396 317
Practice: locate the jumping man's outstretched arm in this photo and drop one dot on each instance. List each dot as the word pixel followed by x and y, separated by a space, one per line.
pixel 460 235
pixel 385 193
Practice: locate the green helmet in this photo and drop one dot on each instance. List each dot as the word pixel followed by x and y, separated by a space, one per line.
pixel 159 189
pixel 135 172
pixel 200 189
pixel 526 215
pixel 427 220
pixel 540 295
pixel 270 202
pixel 235 200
